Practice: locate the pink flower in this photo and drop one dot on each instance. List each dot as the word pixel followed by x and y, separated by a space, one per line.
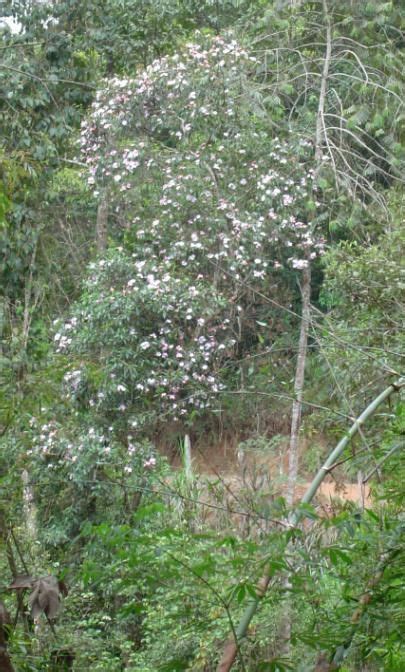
pixel 150 463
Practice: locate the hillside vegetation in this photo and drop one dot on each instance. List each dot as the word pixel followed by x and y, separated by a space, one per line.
pixel 202 289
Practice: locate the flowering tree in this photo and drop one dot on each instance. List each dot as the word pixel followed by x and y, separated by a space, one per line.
pixel 212 210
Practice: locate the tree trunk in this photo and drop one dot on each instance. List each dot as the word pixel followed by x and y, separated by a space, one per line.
pixel 30 513
pixel 102 222
pixel 293 453
pixel 187 461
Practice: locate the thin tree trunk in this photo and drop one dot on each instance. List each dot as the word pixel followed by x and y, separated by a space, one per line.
pixel 187 461
pixel 102 222
pixel 30 512
pixel 320 131
pixel 293 453
pixel 31 299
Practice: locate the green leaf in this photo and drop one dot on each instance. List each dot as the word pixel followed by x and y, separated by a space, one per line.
pixel 337 555
pixel 174 665
pixel 149 510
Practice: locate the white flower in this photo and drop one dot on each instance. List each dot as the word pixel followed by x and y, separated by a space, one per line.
pixel 299 263
pixel 144 345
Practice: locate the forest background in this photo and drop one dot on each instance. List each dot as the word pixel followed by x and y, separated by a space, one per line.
pixel 202 288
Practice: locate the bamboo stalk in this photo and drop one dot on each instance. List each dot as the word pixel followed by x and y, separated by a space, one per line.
pixel 231 647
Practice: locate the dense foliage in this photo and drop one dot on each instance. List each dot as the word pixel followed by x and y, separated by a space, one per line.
pixel 201 238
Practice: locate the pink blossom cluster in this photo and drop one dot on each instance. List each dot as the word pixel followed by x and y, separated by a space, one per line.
pixel 176 347
pixel 148 105
pixel 51 444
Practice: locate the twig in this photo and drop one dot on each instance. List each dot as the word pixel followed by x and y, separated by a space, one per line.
pixel 401 444
pixel 18 549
